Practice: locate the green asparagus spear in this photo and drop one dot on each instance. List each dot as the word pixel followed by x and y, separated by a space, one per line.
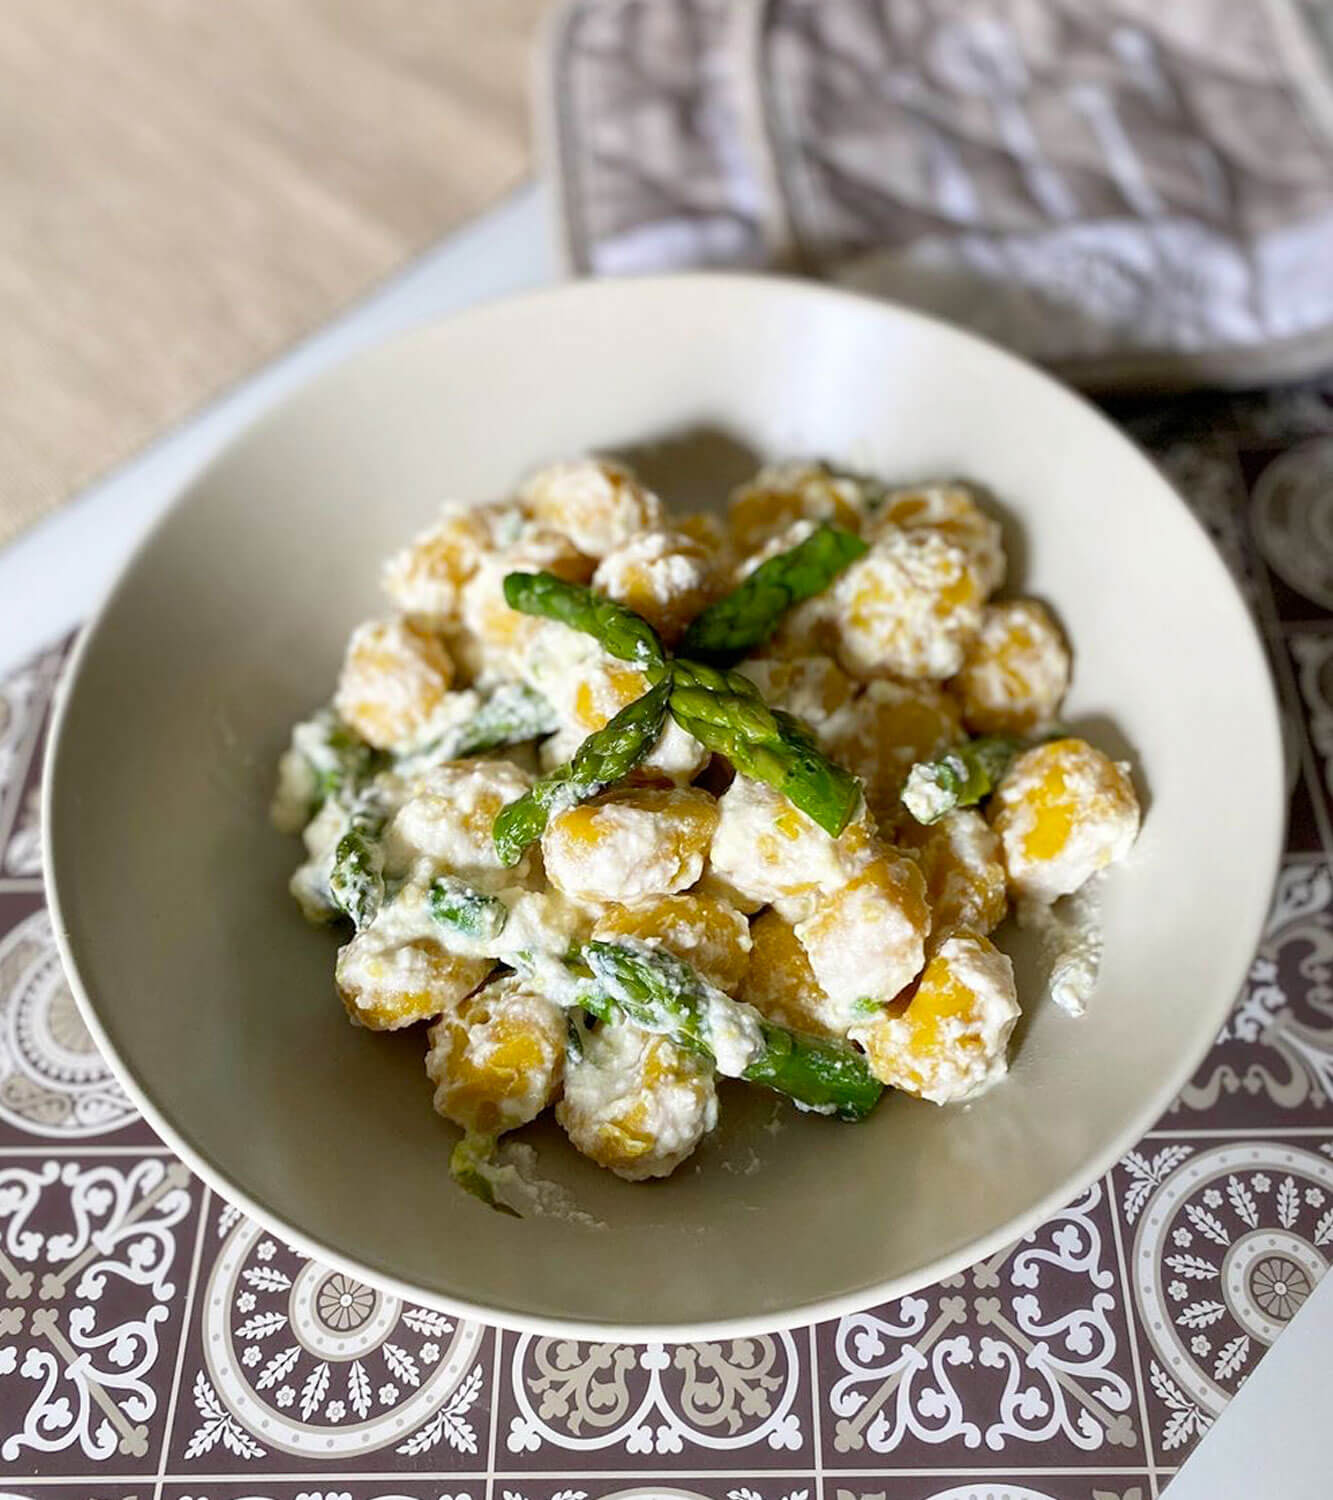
pixel 959 778
pixel 734 625
pixel 824 1075
pixel 654 989
pixel 513 714
pixel 326 759
pixel 356 881
pixel 661 993
pixel 471 1167
pixel 619 630
pixel 470 912
pixel 726 713
pixel 608 755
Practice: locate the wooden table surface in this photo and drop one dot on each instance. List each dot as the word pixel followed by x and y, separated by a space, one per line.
pixel 186 189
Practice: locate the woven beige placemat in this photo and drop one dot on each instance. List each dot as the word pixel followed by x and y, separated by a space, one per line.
pixel 187 188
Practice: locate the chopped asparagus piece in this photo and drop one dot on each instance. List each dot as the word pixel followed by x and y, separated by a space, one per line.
pixel 468 1166
pixel 326 759
pixel 617 629
pixel 661 993
pixel 734 625
pixel 470 912
pixel 513 714
pixel 356 881
pixel 960 777
pixel 608 755
pixel 726 713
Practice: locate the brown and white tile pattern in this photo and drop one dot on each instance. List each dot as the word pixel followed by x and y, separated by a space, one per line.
pixel 1025 1353
pixel 155 1343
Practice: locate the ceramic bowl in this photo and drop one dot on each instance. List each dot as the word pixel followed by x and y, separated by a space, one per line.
pixel 214 1000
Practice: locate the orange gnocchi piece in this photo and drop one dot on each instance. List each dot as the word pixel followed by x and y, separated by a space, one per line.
pixel 1063 811
pixel 497 1060
pixel 784 493
pixel 446 825
pixel 961 859
pixel 598 504
pixel 665 576
pixel 630 844
pixel 426 578
pixel 867 939
pixel 385 983
pixel 705 932
pixel 814 688
pixel 1016 671
pixel 884 732
pixel 780 983
pixel 770 851
pixel 909 608
pixel 952 512
pixel 636 1104
pixel 394 681
pixel 505 634
pixel 945 1040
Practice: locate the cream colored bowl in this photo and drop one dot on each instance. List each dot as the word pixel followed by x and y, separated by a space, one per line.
pixel 214 1001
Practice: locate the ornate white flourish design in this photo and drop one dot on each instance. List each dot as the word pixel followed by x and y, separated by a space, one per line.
pixel 982 1489
pixel 1314 668
pixel 53 1080
pixel 1293 518
pixel 1054 1373
pixel 587 1397
pixel 89 1252
pixel 659 1492
pixel 22 699
pixel 1278 1040
pixel 23 857
pixel 307 1360
pixel 1230 1242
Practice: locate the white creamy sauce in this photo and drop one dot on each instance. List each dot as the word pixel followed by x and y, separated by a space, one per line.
pixel 1069 937
pixel 734 1033
pixel 295 792
pixel 770 851
pixel 511 1174
pixel 923 796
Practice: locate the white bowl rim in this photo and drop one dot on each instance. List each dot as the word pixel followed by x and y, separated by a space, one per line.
pixel 813 1311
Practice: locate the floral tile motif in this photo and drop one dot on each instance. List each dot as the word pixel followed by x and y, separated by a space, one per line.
pixel 1291 509
pixel 291 1365
pixel 582 1406
pixel 94 1262
pixel 54 1084
pixel 1008 1486
pixel 1229 1239
pixel 690 1486
pixel 1310 649
pixel 1274 1054
pixel 407 1488
pixel 1024 1354
pixel 98 1489
pixel 24 697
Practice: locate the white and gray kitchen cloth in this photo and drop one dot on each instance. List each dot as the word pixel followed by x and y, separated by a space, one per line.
pixel 1136 192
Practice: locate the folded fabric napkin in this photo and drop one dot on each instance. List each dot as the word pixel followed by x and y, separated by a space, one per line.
pixel 1133 191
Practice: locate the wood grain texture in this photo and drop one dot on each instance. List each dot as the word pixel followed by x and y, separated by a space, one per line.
pixel 188 188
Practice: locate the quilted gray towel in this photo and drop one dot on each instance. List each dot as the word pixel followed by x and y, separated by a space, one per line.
pixel 1137 192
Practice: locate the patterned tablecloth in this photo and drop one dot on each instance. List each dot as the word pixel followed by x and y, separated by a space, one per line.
pixel 153 1341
